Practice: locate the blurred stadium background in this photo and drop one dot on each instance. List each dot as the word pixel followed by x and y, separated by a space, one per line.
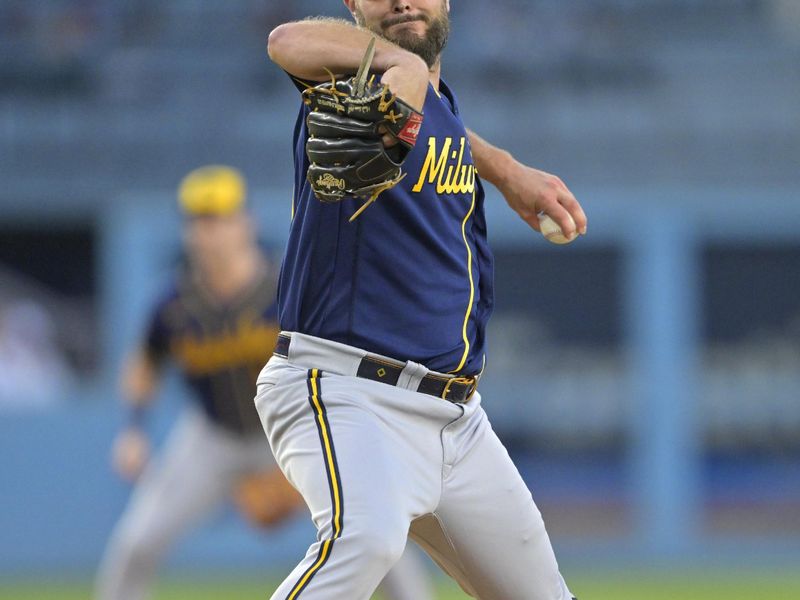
pixel 646 378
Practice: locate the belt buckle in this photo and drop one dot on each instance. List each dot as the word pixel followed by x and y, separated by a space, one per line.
pixel 472 382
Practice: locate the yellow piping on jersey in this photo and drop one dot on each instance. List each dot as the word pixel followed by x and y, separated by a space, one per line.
pixel 471 286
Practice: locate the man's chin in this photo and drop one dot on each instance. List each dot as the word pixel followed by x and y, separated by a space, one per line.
pixel 424 40
pixel 404 37
pixel 408 40
pixel 417 28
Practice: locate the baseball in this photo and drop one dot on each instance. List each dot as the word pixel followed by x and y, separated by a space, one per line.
pixel 552 232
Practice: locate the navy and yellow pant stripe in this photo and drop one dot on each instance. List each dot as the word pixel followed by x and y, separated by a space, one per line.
pixel 334 483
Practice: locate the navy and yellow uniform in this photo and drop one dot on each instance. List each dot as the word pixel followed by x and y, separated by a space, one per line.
pixel 219 348
pixel 370 401
pixel 427 295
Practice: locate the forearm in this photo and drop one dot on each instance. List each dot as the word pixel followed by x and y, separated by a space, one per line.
pixel 494 164
pixel 528 191
pixel 139 381
pixel 306 48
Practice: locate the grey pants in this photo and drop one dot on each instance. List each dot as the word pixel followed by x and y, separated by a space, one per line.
pixel 377 463
pixel 193 477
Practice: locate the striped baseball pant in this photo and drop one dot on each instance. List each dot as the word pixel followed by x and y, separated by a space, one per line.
pixel 378 463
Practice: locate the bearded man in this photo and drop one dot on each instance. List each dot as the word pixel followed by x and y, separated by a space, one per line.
pixel 369 401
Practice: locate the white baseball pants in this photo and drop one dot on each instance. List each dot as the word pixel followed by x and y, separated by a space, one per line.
pixel 377 463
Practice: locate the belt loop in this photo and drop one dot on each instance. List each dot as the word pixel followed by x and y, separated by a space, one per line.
pixel 411 376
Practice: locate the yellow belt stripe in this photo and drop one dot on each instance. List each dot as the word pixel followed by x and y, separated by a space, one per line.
pixel 471 286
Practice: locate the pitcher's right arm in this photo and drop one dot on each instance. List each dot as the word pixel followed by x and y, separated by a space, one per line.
pixel 307 48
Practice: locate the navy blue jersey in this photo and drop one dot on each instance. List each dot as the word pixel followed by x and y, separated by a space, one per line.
pixel 219 349
pixel 412 276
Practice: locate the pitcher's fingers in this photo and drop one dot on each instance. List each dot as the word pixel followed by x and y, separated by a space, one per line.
pixel 563 218
pixel 570 203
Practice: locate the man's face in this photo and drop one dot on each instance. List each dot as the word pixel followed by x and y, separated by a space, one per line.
pixel 212 238
pixel 419 26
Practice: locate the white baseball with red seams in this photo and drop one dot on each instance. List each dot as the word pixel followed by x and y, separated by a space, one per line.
pixel 552 232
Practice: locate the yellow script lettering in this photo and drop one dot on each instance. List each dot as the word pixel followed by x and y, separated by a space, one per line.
pixel 450 177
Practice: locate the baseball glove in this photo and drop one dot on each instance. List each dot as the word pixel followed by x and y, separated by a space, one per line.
pixel 266 498
pixel 345 125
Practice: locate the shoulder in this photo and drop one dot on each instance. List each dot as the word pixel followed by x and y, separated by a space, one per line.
pixel 169 300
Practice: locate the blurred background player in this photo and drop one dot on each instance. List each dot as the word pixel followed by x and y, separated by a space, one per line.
pixel 217 323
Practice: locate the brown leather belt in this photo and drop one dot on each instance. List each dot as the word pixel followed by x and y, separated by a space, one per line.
pixel 453 389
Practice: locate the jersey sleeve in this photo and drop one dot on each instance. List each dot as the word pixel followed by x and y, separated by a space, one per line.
pixel 301 84
pixel 156 341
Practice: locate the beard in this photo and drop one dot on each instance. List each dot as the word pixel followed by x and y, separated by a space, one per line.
pixel 428 47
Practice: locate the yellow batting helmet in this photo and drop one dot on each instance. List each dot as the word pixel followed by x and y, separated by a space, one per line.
pixel 213 190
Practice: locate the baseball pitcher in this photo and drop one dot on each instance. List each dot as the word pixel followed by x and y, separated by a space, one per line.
pixel 370 401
